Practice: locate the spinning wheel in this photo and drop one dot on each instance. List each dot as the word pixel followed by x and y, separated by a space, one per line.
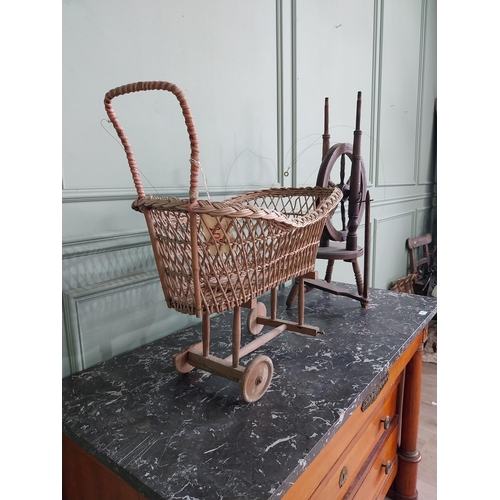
pixel 341 243
pixel 329 167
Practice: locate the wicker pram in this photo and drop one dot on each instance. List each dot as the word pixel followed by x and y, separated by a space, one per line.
pixel 216 256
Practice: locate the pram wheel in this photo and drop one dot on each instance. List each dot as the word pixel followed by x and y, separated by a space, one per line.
pixel 256 378
pixel 252 326
pixel 180 360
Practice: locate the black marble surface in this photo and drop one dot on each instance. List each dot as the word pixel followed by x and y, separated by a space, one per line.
pixel 191 436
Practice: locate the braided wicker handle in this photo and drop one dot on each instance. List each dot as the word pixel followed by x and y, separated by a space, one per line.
pixel 139 86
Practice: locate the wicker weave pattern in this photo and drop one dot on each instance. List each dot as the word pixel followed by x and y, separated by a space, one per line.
pixel 214 256
pixel 255 248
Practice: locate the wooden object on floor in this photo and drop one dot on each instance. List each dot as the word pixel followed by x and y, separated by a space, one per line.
pixel 420 265
pixel 342 244
pixel 404 285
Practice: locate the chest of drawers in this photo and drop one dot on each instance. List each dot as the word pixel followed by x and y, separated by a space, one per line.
pixel 340 420
pixel 361 460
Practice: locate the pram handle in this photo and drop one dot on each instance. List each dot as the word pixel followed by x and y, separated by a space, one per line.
pixel 156 85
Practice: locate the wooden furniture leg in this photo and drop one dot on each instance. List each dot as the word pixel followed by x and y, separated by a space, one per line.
pixel 236 336
pixel 329 271
pixel 292 294
pixel 301 300
pixel 274 303
pixel 357 275
pixel 405 484
pixel 205 335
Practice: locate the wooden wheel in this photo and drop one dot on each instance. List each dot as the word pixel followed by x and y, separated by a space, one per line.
pixel 341 151
pixel 256 378
pixel 252 326
pixel 180 360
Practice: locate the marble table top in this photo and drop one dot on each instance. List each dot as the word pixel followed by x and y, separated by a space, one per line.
pixel 191 436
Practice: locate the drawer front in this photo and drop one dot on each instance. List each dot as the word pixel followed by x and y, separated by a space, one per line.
pixel 382 470
pixel 339 446
pixel 344 472
pixel 335 452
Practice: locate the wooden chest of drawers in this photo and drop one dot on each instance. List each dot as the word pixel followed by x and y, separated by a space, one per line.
pixel 361 460
pixel 340 423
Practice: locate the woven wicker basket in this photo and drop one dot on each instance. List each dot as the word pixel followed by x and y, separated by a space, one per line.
pixel 214 256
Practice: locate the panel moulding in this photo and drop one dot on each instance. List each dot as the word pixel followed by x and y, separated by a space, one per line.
pixel 378 250
pixel 422 221
pixel 107 243
pixel 97 194
pixel 376 81
pixel 73 299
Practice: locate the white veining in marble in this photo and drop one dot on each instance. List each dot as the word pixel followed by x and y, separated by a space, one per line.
pixel 190 436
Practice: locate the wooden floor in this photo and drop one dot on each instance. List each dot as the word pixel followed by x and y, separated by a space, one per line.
pixel 427 435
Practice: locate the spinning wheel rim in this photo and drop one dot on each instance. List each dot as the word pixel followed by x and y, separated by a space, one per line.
pixel 323 180
pixel 256 378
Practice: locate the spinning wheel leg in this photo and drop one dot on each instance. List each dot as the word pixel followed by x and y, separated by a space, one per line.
pixel 294 291
pixel 329 271
pixel 301 300
pixel 357 275
pixel 292 295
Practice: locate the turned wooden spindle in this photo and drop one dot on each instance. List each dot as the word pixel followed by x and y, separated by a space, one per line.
pixel 326 132
pixel 354 187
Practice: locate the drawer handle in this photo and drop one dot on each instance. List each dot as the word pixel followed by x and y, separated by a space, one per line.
pixel 388 467
pixel 343 476
pixel 387 422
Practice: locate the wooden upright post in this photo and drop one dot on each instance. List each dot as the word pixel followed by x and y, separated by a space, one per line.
pixel 236 335
pixel 405 484
pixel 326 132
pixel 355 182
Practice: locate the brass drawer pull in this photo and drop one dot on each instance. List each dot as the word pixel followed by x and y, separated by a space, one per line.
pixel 377 389
pixel 388 467
pixel 387 422
pixel 343 476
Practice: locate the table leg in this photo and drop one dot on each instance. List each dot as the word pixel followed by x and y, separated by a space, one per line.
pixel 405 484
